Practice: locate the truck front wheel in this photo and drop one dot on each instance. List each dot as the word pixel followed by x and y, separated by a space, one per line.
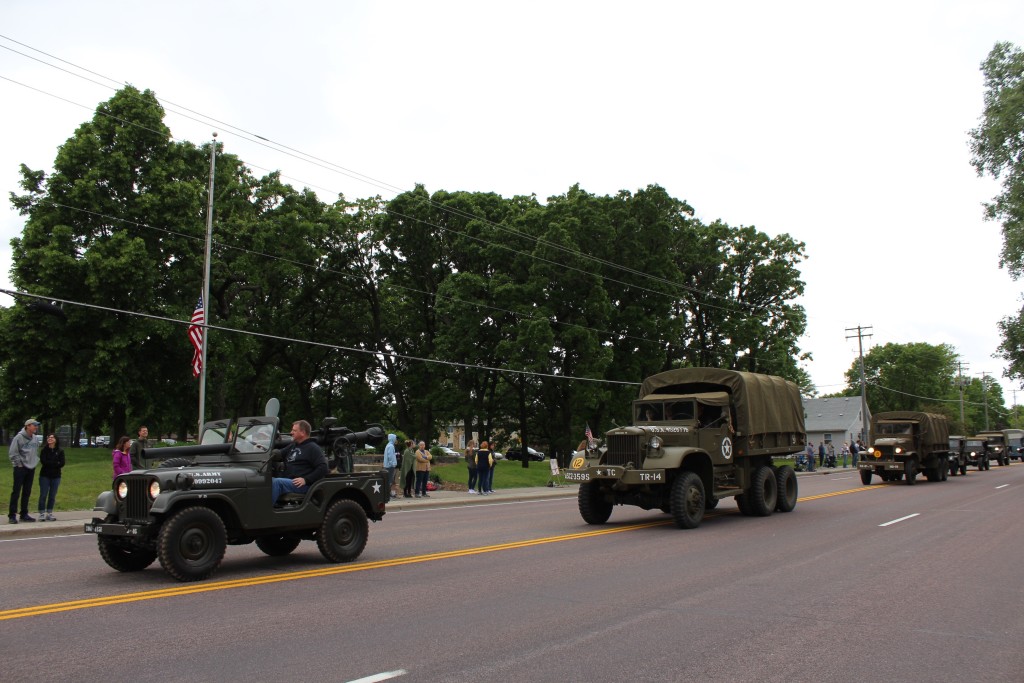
pixel 865 477
pixel 192 543
pixel 688 501
pixel 764 492
pixel 344 531
pixel 910 472
pixel 594 509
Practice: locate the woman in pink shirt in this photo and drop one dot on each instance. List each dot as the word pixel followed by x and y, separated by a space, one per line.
pixel 122 461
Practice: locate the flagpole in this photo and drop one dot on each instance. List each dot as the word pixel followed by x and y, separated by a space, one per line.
pixel 206 290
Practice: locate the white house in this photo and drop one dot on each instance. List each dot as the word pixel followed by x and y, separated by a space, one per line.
pixel 839 420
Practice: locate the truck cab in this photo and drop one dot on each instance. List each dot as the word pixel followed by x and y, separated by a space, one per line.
pixel 905 443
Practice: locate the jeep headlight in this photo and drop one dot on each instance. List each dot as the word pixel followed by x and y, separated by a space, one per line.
pixel 122 489
pixel 655 443
pixel 154 489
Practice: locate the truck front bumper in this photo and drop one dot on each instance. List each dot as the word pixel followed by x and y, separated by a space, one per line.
pixel 618 475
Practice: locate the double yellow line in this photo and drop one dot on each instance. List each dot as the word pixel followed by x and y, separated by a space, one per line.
pixel 331 570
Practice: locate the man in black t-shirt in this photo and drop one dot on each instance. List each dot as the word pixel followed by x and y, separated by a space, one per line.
pixel 304 463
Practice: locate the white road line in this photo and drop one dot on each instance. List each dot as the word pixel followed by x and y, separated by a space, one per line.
pixel 901 519
pixel 384 676
pixel 1003 486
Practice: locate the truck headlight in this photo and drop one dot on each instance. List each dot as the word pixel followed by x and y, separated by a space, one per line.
pixel 655 443
pixel 122 489
pixel 898 450
pixel 154 489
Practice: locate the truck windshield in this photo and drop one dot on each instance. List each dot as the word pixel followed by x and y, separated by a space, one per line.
pixel 649 412
pixel 894 428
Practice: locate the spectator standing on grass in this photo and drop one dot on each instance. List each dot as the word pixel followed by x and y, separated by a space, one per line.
pixel 821 454
pixel 408 468
pixel 471 465
pixel 845 453
pixel 24 456
pixel 121 460
pixel 484 461
pixel 51 462
pixel 810 456
pixel 423 458
pixel 854 452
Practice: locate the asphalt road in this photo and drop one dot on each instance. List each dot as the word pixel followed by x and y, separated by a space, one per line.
pixel 886 582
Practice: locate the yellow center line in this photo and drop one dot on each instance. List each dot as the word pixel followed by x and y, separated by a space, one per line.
pixel 331 570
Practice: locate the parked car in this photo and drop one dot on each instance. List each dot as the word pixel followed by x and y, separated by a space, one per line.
pixel 168 442
pixel 83 443
pixel 445 450
pixel 516 453
pixel 102 440
pixel 498 455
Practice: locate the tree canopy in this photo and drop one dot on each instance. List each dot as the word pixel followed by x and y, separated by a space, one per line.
pixel 428 309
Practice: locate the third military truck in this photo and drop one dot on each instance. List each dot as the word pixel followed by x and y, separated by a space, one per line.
pixel 904 443
pixel 698 435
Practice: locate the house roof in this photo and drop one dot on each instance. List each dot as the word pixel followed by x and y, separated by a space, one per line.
pixel 832 414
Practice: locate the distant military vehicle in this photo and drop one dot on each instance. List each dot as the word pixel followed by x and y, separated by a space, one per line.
pixel 1015 443
pixel 998 446
pixel 957 457
pixel 904 443
pixel 199 499
pixel 698 435
pixel 976 452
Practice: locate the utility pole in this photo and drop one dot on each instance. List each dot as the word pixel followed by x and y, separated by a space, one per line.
pixel 984 391
pixel 863 382
pixel 960 367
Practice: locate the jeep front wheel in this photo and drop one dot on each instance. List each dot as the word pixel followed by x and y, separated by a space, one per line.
pixel 594 509
pixel 192 543
pixel 688 501
pixel 124 557
pixel 277 546
pixel 343 532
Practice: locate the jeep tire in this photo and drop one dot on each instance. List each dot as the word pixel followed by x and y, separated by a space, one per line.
pixel 688 500
pixel 191 543
pixel 344 531
pixel 125 557
pixel 594 509
pixel 277 546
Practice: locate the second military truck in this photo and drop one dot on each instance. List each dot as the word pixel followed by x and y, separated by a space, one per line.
pixel 904 443
pixel 698 435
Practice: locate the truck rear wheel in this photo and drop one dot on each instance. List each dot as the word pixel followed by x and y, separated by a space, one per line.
pixel 594 509
pixel 910 472
pixel 963 470
pixel 344 531
pixel 785 481
pixel 764 492
pixel 192 543
pixel 124 557
pixel 865 477
pixel 688 501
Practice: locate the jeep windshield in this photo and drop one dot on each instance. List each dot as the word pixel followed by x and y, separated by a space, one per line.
pixel 894 428
pixel 249 435
pixel 663 411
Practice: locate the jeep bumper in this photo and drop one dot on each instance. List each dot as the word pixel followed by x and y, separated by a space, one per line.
pixel 101 528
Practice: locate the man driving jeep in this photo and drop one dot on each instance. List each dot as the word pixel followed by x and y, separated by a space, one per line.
pixel 304 463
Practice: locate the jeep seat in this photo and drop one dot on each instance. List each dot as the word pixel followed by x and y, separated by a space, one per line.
pixel 287 498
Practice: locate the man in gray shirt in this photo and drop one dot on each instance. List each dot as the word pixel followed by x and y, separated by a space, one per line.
pixel 24 455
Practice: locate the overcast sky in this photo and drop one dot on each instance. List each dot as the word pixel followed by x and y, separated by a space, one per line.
pixel 844 125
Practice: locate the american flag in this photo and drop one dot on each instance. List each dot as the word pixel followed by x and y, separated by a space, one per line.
pixel 195 335
pixel 590 435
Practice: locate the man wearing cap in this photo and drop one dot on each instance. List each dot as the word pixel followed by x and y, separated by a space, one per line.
pixel 24 455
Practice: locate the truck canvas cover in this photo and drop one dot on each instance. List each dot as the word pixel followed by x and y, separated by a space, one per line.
pixel 933 428
pixel 763 403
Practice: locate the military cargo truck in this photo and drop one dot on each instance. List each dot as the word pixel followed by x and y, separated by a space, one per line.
pixel 698 435
pixel 976 452
pixel 904 443
pixel 1015 443
pixel 998 447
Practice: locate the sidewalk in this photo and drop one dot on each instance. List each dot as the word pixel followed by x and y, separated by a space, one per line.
pixel 72 521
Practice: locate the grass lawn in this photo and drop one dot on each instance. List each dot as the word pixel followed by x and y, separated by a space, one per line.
pixel 89 471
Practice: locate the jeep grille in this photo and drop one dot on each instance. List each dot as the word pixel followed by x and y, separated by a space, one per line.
pixel 136 505
pixel 623 449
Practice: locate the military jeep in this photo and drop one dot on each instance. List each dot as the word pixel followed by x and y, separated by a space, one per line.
pixel 190 502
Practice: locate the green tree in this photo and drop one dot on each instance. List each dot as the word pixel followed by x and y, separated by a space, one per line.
pixel 915 376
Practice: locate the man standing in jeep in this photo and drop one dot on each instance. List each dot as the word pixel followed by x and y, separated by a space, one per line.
pixel 304 463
